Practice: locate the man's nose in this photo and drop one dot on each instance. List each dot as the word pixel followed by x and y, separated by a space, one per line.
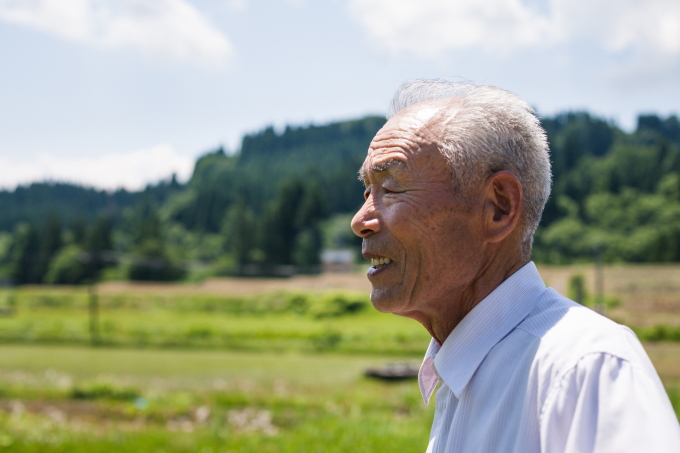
pixel 365 221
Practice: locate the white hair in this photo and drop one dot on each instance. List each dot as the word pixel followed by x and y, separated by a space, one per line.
pixel 487 129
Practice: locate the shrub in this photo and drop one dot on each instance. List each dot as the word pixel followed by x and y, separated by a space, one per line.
pixel 659 333
pixel 106 391
pixel 576 289
pixel 67 267
pixel 338 305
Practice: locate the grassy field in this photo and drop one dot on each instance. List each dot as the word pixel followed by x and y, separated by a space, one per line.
pixel 649 294
pixel 304 313
pixel 77 399
pixel 311 321
pixel 240 365
pixel 82 399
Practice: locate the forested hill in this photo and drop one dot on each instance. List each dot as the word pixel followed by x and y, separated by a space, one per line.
pixel 614 192
pixel 37 202
pixel 331 154
pixel 328 156
pixel 285 195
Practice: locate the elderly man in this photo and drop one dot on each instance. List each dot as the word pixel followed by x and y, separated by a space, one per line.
pixel 456 182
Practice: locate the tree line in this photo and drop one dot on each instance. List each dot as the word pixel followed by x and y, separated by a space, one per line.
pixel 284 196
pixel 614 193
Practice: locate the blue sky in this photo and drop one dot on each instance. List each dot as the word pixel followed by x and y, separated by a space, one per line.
pixel 113 93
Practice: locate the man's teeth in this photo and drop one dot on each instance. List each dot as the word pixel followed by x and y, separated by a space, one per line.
pixel 379 262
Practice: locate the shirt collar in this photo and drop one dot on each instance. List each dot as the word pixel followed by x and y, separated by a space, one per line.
pixel 456 361
pixel 427 375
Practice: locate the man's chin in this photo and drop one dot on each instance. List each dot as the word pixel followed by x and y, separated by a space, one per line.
pixel 386 301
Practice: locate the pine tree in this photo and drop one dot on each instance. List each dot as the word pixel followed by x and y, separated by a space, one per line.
pixel 96 244
pixel 151 261
pixel 50 243
pixel 238 230
pixel 24 255
pixel 312 210
pixel 281 224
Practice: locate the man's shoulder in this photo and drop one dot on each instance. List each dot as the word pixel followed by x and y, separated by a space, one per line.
pixel 567 331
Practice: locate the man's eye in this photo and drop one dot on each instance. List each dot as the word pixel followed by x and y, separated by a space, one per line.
pixel 367 192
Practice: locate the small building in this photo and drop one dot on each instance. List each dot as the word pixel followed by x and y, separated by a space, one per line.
pixel 340 261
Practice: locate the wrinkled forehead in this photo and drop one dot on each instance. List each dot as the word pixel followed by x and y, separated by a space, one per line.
pixel 415 130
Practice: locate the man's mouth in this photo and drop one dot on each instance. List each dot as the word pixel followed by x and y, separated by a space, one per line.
pixel 377 263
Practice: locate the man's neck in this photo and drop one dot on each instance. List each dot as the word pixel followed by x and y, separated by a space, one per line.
pixel 442 317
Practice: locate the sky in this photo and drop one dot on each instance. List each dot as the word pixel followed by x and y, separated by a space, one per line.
pixel 122 93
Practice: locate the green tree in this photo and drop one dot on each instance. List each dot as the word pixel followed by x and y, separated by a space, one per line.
pixel 239 232
pixel 576 289
pixel 97 244
pixel 308 245
pixel 78 230
pixel 281 225
pixel 24 256
pixel 150 260
pixel 292 233
pixel 50 242
pixel 309 241
pixel 68 267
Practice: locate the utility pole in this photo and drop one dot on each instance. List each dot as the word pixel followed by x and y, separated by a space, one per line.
pixel 599 281
pixel 93 306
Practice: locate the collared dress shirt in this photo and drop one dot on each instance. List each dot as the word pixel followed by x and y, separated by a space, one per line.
pixel 528 370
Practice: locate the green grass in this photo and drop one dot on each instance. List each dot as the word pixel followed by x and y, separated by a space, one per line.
pixel 327 434
pixel 84 363
pixel 285 402
pixel 321 321
pixel 274 372
pixel 161 359
pixel 281 321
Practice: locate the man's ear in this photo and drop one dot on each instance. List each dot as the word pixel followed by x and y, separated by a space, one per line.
pixel 502 206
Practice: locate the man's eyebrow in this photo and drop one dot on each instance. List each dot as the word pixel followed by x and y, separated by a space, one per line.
pixel 379 168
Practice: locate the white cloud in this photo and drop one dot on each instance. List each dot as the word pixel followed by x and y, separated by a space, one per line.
pixel 430 27
pixel 650 25
pixel 236 5
pixel 172 29
pixel 645 36
pixel 132 170
pixel 648 30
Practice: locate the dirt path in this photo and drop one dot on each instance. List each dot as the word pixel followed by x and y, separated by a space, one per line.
pixel 244 286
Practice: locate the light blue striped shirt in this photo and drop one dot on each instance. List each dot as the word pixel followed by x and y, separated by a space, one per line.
pixel 528 370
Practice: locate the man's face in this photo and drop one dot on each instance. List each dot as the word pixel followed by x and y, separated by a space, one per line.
pixel 413 220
